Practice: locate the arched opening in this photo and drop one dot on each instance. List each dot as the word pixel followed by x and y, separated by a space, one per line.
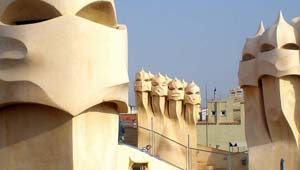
pixel 99 12
pixel 291 46
pixel 22 12
pixel 266 47
pixel 139 166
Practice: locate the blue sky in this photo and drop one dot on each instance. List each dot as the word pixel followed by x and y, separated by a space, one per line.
pixel 197 40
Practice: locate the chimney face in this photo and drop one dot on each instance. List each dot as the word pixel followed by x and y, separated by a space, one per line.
pixel 62 50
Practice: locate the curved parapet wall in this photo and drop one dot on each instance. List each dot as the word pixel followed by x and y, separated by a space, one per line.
pixel 269 74
pixel 169 107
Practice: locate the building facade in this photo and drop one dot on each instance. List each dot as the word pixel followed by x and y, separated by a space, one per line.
pixel 225 125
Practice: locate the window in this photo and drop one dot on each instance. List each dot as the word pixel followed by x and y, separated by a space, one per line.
pixel 245 161
pixel 213 113
pixel 223 113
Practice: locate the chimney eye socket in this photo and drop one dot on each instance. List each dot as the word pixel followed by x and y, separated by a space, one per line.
pixel 171 88
pixel 99 12
pixel 28 12
pixel 291 46
pixel 266 48
pixel 189 93
pixel 247 57
pixel 155 84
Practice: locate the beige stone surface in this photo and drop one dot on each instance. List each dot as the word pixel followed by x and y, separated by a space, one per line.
pixel 66 52
pixel 171 108
pixel 142 87
pixel 95 138
pixel 29 138
pixel 139 157
pixel 40 137
pixel 210 158
pixel 63 80
pixel 61 7
pixel 269 76
pixel 192 101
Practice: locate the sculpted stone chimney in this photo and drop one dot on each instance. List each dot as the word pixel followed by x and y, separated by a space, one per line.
pixel 63 77
pixel 269 75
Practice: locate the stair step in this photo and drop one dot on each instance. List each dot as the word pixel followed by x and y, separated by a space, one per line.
pixel 204 167
pixel 209 168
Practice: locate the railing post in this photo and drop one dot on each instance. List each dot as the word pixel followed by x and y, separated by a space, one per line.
pixel 229 161
pixel 152 137
pixel 282 164
pixel 188 162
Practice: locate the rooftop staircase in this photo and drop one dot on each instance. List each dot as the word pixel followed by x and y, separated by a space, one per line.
pixel 204 166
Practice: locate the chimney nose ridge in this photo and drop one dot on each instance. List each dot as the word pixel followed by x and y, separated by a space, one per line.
pixel 12 49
